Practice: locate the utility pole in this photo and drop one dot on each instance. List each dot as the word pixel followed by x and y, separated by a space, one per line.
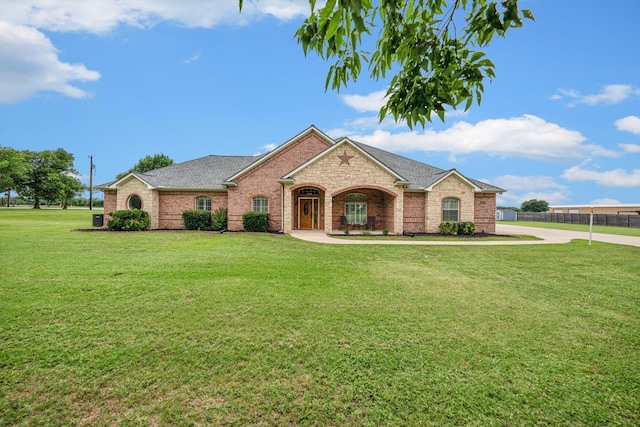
pixel 91 167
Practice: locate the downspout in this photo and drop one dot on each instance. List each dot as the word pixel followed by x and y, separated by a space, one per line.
pixel 282 210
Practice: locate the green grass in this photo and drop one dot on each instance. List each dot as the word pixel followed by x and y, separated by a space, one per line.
pixel 196 328
pixel 622 231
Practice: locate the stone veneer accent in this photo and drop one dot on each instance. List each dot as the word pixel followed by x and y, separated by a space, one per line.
pixel 339 178
pixel 149 198
pixel 452 186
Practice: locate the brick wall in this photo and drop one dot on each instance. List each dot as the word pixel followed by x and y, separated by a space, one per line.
pixel 173 203
pixel 414 212
pixel 262 180
pixel 485 212
pixel 110 204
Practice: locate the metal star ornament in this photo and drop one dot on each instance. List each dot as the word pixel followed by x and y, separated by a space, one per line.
pixel 344 159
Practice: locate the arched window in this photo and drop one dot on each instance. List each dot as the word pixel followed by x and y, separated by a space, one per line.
pixel 203 203
pixel 450 209
pixel 308 192
pixel 355 208
pixel 134 202
pixel 260 204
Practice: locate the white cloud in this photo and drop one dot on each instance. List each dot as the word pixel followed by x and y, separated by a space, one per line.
pixel 516 199
pixel 612 178
pixel 526 136
pixel 193 58
pixel 522 188
pixel 610 94
pixel 102 16
pixel 629 124
pixel 29 63
pixel 605 201
pixel 514 182
pixel 630 148
pixel 371 102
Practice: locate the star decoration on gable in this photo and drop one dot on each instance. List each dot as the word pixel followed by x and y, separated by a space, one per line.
pixel 344 158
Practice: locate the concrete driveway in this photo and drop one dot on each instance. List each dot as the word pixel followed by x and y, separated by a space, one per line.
pixel 548 236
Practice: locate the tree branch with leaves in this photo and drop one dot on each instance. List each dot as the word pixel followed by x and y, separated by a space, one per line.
pixel 434 65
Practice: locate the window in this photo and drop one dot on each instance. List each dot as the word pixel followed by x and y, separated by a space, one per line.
pixel 203 203
pixel 134 202
pixel 355 208
pixel 450 209
pixel 260 204
pixel 308 192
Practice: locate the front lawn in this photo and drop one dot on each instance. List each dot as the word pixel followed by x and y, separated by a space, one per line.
pixel 198 328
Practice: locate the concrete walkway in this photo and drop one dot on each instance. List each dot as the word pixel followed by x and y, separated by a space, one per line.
pixel 548 236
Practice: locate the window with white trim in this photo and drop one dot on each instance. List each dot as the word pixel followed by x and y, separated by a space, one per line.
pixel 450 209
pixel 260 204
pixel 203 203
pixel 355 208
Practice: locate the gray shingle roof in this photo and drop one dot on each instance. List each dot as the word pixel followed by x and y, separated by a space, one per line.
pixel 210 172
pixel 204 173
pixel 420 175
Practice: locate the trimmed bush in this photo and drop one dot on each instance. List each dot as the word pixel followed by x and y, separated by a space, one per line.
pixel 128 220
pixel 219 219
pixel 196 219
pixel 255 221
pixel 449 228
pixel 466 228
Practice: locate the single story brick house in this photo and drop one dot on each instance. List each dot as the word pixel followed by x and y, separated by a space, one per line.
pixel 310 182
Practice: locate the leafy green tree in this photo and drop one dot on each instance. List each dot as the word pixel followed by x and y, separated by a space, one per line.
pixel 70 187
pixel 45 178
pixel 13 169
pixel 534 205
pixel 148 163
pixel 433 54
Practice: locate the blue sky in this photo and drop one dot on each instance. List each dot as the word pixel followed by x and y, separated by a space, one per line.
pixel 123 79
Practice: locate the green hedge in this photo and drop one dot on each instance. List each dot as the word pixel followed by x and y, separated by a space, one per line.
pixel 196 219
pixel 255 221
pixel 449 228
pixel 466 228
pixel 128 220
pixel 452 228
pixel 219 219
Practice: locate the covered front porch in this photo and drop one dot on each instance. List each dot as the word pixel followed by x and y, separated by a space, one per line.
pixel 357 209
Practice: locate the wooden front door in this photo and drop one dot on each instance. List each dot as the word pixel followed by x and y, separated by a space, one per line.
pixel 308 213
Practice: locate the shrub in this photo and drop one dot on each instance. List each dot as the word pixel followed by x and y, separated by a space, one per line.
pixel 255 221
pixel 466 228
pixel 196 219
pixel 219 219
pixel 449 228
pixel 128 220
pixel 385 231
pixel 366 233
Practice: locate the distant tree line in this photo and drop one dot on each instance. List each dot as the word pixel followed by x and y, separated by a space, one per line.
pixel 39 177
pixel 533 205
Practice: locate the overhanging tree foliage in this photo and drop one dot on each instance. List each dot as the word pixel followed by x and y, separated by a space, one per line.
pixel 434 54
pixel 149 163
